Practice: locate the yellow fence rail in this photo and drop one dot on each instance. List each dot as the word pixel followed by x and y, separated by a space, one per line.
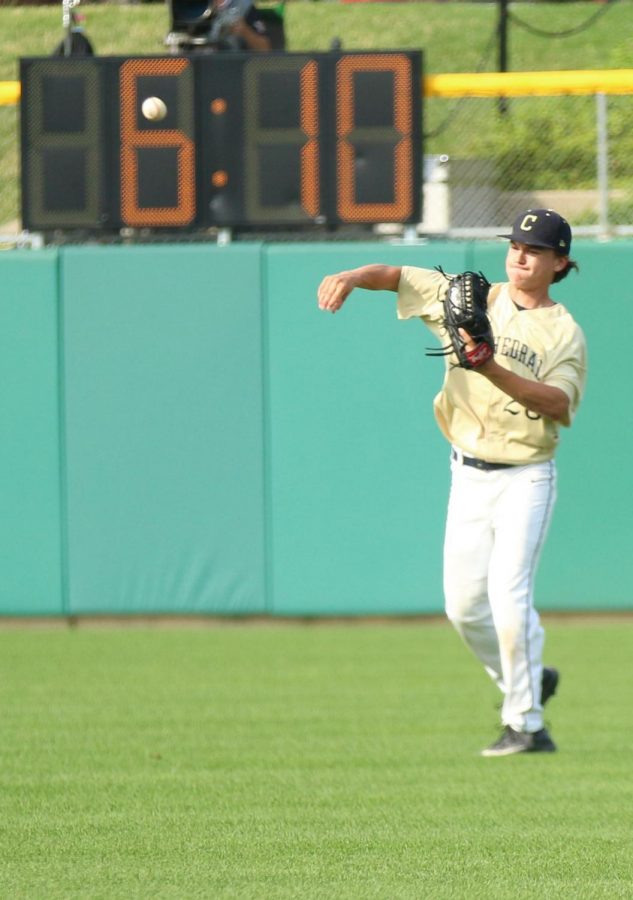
pixel 485 84
pixel 530 84
pixel 9 92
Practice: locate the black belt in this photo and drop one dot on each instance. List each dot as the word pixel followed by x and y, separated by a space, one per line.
pixel 479 463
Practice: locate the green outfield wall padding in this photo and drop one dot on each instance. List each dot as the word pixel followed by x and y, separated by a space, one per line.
pixel 587 561
pixel 164 424
pixel 185 432
pixel 358 469
pixel 30 537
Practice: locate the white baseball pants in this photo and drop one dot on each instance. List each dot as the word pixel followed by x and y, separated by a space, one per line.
pixel 496 525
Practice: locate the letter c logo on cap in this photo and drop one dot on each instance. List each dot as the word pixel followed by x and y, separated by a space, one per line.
pixel 526 224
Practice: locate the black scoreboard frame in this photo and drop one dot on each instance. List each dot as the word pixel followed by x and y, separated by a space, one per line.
pixel 249 139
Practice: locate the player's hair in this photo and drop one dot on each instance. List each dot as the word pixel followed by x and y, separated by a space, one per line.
pixel 571 264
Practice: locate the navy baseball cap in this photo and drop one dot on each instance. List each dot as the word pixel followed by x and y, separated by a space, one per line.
pixel 542 228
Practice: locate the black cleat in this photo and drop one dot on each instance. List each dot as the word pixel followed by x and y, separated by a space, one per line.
pixel 549 683
pixel 512 741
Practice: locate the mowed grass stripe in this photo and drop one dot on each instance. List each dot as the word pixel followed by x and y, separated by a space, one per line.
pixel 306 761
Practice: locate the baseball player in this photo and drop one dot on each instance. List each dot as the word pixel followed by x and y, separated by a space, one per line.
pixel 500 409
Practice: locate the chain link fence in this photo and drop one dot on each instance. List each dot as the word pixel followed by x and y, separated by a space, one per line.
pixel 488 158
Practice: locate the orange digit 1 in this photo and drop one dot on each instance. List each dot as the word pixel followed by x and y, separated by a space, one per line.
pixel 135 140
pixel 396 137
pixel 309 99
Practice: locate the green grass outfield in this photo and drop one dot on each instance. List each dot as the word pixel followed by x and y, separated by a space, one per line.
pixel 306 761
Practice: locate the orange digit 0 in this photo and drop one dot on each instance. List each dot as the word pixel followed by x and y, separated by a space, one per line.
pixel 349 209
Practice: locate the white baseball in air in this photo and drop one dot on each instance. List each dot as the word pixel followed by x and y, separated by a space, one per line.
pixel 154 109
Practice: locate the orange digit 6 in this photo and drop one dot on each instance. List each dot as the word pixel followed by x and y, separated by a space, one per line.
pixel 133 140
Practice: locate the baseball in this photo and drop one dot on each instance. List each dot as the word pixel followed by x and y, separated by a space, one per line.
pixel 154 109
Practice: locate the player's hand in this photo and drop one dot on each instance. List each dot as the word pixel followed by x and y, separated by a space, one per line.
pixel 466 338
pixel 334 291
pixel 476 352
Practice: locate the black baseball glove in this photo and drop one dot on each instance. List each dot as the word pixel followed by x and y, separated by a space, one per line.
pixel 466 307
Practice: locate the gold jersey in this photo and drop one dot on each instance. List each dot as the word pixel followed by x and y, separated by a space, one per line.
pixel 543 344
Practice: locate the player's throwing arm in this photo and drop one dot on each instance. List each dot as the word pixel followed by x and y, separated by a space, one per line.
pixel 335 289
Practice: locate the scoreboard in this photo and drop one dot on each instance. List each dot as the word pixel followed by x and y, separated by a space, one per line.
pixel 248 139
